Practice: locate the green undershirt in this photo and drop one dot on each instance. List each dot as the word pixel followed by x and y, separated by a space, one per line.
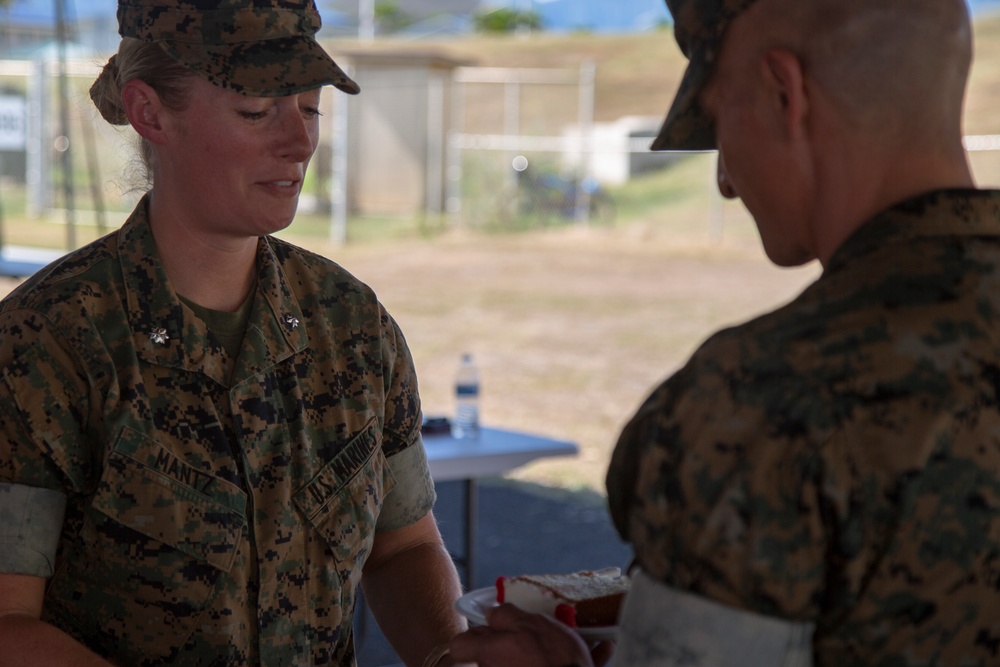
pixel 228 327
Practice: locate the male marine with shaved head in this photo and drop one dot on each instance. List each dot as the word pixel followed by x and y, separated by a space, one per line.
pixel 820 485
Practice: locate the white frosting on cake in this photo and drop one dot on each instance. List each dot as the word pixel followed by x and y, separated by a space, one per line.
pixel 529 597
pixel 531 594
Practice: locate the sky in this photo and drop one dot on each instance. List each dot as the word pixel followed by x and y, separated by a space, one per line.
pixel 601 15
pixel 594 15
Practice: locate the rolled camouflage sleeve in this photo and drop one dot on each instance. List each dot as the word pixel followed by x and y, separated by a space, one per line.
pixel 43 452
pixel 403 415
pixel 30 525
pixel 414 495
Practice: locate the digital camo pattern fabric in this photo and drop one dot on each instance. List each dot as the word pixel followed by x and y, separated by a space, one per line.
pixel 219 510
pixel 837 461
pixel 265 48
pixel 699 26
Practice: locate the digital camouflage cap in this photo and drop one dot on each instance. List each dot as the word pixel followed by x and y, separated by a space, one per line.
pixel 699 26
pixel 265 48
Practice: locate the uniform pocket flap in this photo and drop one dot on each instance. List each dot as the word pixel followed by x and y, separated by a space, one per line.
pixel 152 491
pixel 343 500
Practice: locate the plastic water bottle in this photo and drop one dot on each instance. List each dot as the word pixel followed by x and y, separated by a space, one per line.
pixel 465 425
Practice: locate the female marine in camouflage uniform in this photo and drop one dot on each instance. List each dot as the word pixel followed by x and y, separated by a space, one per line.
pixel 209 438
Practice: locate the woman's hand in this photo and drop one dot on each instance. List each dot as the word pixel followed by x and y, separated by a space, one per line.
pixel 515 637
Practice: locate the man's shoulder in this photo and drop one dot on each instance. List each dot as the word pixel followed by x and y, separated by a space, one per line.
pixel 783 343
pixel 907 283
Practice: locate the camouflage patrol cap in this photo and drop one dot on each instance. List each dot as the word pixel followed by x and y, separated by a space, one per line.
pixel 264 48
pixel 698 28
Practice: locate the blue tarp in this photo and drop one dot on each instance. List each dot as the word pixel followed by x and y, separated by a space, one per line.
pixel 21 261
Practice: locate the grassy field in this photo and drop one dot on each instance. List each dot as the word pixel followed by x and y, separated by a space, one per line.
pixel 572 327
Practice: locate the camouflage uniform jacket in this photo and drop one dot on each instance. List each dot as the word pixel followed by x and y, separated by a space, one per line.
pixel 837 461
pixel 211 518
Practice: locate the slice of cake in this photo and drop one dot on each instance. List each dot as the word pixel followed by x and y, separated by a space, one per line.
pixel 581 599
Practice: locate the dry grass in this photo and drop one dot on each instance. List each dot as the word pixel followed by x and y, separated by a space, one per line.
pixel 981 115
pixel 571 328
pixel 636 74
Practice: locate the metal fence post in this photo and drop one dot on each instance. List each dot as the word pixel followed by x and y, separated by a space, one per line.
pixel 338 169
pixel 435 151
pixel 586 121
pixel 453 168
pixel 38 174
pixel 511 121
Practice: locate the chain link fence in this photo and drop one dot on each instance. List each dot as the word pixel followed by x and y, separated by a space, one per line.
pixel 519 149
pixel 57 156
pixel 515 158
pixel 63 164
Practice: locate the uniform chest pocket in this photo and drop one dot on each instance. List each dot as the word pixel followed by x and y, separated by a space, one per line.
pixel 154 492
pixel 157 538
pixel 342 502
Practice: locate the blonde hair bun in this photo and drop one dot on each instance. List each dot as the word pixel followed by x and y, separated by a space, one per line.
pixel 107 95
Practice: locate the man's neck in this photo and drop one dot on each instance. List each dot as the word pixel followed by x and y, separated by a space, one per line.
pixel 857 195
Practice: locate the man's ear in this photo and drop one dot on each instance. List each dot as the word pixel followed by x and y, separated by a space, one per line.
pixel 144 110
pixel 785 81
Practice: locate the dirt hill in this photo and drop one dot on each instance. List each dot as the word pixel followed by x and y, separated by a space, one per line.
pixel 637 74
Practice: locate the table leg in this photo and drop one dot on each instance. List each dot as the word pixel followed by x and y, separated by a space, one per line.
pixel 471 519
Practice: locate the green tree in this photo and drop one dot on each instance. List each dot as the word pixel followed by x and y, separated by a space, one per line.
pixel 506 19
pixel 389 17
